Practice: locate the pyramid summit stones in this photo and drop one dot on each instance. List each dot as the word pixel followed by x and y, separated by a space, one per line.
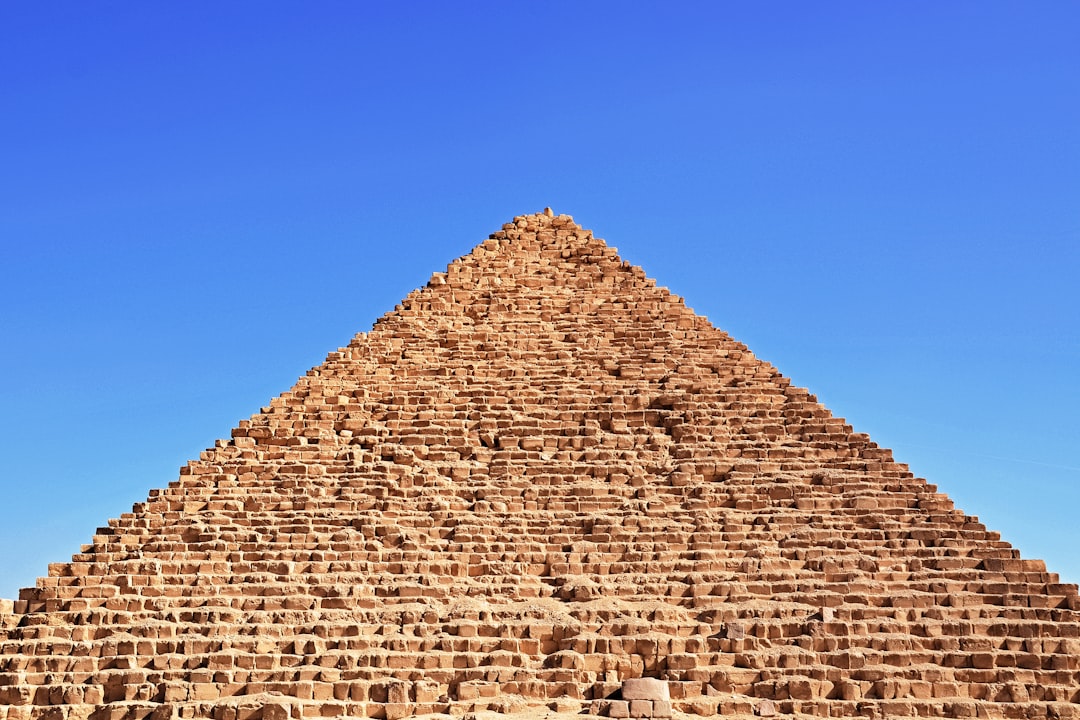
pixel 539 478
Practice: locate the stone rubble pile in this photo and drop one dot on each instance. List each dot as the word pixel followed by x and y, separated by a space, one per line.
pixel 539 479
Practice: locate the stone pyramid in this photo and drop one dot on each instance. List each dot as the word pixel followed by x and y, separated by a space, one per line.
pixel 538 477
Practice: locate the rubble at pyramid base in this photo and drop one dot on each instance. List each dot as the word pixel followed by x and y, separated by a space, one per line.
pixel 543 476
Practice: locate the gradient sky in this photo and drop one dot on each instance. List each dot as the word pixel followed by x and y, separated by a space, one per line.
pixel 198 201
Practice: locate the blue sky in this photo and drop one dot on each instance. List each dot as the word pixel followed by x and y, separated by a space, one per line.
pixel 199 201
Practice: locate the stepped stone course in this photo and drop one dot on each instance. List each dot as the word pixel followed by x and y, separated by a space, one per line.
pixel 538 477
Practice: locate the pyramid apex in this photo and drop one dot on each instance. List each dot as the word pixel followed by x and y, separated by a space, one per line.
pixel 545 216
pixel 545 222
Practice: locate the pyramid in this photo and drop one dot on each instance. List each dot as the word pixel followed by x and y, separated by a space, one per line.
pixel 538 485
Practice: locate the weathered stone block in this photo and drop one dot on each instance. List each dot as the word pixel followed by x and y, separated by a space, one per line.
pixel 397 711
pixel 645 689
pixel 273 711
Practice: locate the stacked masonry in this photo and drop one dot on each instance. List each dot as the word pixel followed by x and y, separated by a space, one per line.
pixel 539 476
pixel 641 698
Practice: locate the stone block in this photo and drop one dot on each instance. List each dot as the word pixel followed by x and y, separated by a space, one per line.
pixel 426 691
pixel 645 689
pixel 397 693
pixel 661 709
pixel 565 705
pixel 397 711
pixel 276 711
pixel 766 708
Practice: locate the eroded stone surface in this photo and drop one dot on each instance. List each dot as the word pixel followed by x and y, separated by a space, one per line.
pixel 539 476
pixel 645 689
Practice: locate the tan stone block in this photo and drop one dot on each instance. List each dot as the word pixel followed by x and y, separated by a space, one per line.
pixel 565 705
pixel 426 691
pixel 641 708
pixel 397 693
pixel 766 708
pixel 662 708
pixel 397 711
pixel 645 689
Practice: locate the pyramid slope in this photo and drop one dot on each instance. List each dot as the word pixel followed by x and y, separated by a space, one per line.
pixel 538 476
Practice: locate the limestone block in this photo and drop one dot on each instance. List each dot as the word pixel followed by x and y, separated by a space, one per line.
pixel 397 711
pixel 565 705
pixel 397 693
pixel 645 689
pixel 276 711
pixel 426 691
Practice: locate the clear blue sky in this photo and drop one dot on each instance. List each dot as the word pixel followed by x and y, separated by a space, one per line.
pixel 199 201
